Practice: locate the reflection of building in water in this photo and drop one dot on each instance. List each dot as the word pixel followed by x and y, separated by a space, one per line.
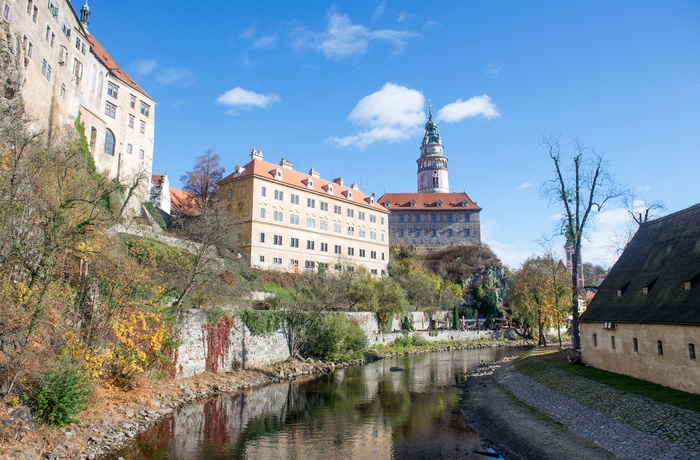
pixel 433 218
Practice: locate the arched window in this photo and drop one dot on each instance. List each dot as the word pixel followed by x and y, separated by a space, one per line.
pixel 109 142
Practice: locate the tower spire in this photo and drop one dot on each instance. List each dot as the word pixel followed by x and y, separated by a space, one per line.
pixel 432 164
pixel 85 15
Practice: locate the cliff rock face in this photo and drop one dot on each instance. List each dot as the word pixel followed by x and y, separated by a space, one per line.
pixel 497 277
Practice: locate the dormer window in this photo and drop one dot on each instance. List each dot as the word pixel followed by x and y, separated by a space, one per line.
pixel 278 174
pixel 439 203
pixel 310 183
pixel 687 286
pixel 413 203
pixel 330 188
pixel 349 194
pixel 387 203
pixel 464 203
pixel 645 290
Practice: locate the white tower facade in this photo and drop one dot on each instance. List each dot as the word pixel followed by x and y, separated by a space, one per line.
pixel 432 164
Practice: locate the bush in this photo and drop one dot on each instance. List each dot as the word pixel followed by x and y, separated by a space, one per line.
pixel 262 322
pixel 405 341
pixel 60 395
pixel 335 335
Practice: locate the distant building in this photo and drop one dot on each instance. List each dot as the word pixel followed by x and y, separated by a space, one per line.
pixel 644 320
pixel 433 218
pixel 291 221
pixel 68 72
pixel 171 201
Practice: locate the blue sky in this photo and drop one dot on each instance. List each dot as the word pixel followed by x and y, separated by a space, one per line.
pixel 344 87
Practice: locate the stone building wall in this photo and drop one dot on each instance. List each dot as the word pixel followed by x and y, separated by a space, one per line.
pixel 246 350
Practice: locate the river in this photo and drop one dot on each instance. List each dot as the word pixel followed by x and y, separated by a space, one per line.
pixel 361 412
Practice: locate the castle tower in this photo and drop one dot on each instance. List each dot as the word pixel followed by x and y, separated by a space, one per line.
pixel 85 14
pixel 432 164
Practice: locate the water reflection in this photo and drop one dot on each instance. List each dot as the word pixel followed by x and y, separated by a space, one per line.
pixel 361 412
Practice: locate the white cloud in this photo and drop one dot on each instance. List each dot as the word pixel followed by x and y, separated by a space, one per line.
pixel 343 38
pixel 607 234
pixel 477 106
pixel 249 32
pixel 266 41
pixel 244 99
pixel 143 67
pixel 161 76
pixel 432 25
pixel 379 10
pixel 493 70
pixel 403 16
pixel 392 114
pixel 510 255
pixel 523 186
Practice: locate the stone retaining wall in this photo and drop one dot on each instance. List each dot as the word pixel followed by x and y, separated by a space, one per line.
pixel 246 350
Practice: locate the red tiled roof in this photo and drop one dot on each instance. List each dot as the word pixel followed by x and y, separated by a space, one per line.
pixel 298 179
pixel 157 179
pixel 431 201
pixel 114 68
pixel 182 202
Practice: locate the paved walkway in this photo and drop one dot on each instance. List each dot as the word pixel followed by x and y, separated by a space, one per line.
pixel 629 426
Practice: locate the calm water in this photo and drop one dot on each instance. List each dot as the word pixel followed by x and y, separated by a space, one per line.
pixel 360 412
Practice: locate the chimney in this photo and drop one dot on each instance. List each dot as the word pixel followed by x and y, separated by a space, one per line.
pixel 286 164
pixel 256 154
pixel 338 180
pixel 314 173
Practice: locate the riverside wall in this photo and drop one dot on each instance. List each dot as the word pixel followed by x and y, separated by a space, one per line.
pixel 245 350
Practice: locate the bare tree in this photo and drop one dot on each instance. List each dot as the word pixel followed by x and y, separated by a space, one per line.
pixel 202 180
pixel 587 186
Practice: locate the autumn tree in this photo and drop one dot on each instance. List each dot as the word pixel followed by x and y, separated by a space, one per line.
pixel 202 180
pixel 539 292
pixel 586 187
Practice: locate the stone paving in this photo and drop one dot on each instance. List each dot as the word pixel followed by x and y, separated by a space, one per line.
pixel 629 426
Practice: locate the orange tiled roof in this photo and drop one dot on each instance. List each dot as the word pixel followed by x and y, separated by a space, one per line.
pixel 157 179
pixel 429 201
pixel 114 68
pixel 298 179
pixel 182 202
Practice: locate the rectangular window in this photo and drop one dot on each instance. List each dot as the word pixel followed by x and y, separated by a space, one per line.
pixel 373 218
pixel 362 253
pixel 324 247
pixel 337 249
pixel 77 70
pixel 401 219
pixel 401 234
pixel 53 7
pixel 30 3
pixel 433 233
pixel 382 256
pixel 382 237
pixel 263 211
pixel 110 110
pixel 337 209
pixel 373 271
pixel 294 219
pixel 417 233
pixel 595 340
pixel 35 13
pixel 142 154
pixel 278 216
pixel 373 254
pixel 361 215
pixel 131 121
pixel 132 101
pixel 691 351
pixel 351 231
pixel 337 228
pixel 324 225
pixel 262 258
pixel 449 218
pixel 263 192
pixel 142 129
pixel 65 28
pixel 112 90
pixel 362 234
pixel 311 223
pixel 310 203
pixel 145 109
pixel 660 347
pixel 6 12
pixel 323 265
pixel 48 33
pixel 277 260
pixel 382 221
pixel 310 245
pixel 294 242
pixel 467 232
pixel 635 345
pixel 449 232
pixel 351 251
pixel 262 237
pixel 351 213
pixel 129 148
pixel 612 342
pixel 279 195
pixel 294 199
pixel 277 239
pixel 310 264
pixel 324 206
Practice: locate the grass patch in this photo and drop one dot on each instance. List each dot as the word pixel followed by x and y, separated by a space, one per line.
pixel 540 361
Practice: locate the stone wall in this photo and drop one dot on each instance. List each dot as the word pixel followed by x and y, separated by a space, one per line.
pixel 246 350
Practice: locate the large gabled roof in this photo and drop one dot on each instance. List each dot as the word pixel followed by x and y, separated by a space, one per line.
pixel 261 168
pixel 647 284
pixel 114 69
pixel 428 201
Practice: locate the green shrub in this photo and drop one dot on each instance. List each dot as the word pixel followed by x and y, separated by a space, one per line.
pixel 60 395
pixel 418 340
pixel 406 341
pixel 262 322
pixel 334 335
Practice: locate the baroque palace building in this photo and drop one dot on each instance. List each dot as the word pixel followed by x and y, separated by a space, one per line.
pixel 67 74
pixel 291 221
pixel 433 218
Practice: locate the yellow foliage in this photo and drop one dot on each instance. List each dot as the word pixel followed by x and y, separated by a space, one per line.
pixel 22 294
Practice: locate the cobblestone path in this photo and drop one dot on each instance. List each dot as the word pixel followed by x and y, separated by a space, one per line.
pixel 629 426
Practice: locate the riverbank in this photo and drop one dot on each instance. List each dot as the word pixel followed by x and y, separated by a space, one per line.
pixel 554 414
pixel 116 416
